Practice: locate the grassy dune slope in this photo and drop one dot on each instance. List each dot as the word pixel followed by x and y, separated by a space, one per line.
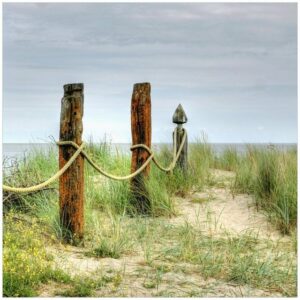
pixel 210 233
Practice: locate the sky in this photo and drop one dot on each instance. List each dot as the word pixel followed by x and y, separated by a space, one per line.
pixel 232 66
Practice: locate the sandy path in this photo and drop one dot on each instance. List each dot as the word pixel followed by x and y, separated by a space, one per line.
pixel 216 210
pixel 213 211
pixel 136 277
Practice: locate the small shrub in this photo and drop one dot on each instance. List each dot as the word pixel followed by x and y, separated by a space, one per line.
pixel 26 263
pixel 80 288
pixel 112 241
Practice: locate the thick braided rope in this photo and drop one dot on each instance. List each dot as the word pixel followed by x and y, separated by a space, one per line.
pixel 111 176
pixel 47 182
pixel 138 171
pixel 176 153
pixel 93 164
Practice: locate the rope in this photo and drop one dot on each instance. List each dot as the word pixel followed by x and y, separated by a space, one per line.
pixel 93 164
pixel 47 182
pixel 176 153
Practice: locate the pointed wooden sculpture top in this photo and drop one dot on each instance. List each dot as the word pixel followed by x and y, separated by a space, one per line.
pixel 179 116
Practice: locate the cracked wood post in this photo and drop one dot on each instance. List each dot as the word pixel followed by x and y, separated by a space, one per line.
pixel 141 134
pixel 180 118
pixel 71 183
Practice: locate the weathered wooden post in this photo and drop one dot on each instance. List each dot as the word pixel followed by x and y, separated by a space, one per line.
pixel 180 118
pixel 71 183
pixel 141 134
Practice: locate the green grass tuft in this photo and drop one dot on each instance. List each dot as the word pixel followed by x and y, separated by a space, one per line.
pixel 271 176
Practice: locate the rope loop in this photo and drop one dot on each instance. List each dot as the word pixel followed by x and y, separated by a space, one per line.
pixel 80 150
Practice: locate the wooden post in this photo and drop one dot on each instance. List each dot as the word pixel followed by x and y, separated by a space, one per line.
pixel 180 118
pixel 141 134
pixel 71 183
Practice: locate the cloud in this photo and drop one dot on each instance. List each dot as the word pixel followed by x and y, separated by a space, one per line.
pixel 234 61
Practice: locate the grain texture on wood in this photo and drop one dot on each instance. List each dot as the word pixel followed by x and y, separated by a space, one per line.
pixel 71 183
pixel 141 134
pixel 179 118
pixel 182 162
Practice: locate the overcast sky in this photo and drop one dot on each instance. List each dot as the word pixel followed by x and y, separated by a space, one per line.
pixel 233 67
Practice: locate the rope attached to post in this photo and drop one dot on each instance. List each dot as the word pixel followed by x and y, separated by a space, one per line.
pixel 95 166
pixel 47 182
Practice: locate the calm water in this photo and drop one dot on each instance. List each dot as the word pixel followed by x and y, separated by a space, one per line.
pixel 13 151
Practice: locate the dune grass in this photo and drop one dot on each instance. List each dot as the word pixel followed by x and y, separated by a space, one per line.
pixel 271 176
pixel 244 259
pixel 103 196
pixel 228 160
pixel 268 174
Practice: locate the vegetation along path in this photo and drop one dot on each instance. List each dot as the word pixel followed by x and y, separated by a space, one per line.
pixel 227 227
pixel 218 244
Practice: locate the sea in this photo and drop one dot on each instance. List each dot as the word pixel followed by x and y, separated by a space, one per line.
pixel 17 151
